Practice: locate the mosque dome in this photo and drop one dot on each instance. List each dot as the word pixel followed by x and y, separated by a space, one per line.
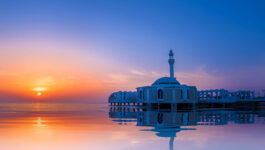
pixel 166 80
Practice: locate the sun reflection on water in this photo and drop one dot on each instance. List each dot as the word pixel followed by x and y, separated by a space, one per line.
pixel 40 122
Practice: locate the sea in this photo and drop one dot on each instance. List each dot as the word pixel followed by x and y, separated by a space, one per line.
pixel 82 126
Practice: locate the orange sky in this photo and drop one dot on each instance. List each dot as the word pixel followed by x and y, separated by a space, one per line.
pixel 54 70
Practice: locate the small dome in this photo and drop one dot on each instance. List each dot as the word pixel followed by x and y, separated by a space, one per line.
pixel 166 80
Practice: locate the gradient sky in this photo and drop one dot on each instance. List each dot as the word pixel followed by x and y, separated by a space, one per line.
pixel 82 50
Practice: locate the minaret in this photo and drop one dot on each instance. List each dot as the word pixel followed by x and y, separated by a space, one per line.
pixel 171 61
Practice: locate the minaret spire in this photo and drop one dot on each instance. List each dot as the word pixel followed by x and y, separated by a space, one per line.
pixel 171 61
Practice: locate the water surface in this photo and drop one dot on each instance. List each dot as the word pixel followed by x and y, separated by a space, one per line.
pixel 42 126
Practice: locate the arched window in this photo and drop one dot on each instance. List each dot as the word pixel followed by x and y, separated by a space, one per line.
pixel 141 95
pixel 181 94
pixel 160 94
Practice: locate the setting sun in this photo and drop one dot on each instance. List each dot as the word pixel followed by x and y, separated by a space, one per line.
pixel 39 90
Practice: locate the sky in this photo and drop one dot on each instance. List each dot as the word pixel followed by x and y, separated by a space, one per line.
pixel 82 50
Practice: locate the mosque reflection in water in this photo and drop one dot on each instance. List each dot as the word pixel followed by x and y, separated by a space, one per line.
pixel 167 123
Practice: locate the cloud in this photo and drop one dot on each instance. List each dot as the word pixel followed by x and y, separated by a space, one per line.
pixel 118 78
pixel 137 72
pixel 45 81
pixel 201 78
pixel 135 78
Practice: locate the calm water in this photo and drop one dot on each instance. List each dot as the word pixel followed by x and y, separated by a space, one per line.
pixel 42 126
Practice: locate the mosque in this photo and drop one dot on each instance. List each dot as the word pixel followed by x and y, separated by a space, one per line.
pixel 168 90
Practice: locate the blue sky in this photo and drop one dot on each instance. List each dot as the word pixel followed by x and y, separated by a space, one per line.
pixel 223 39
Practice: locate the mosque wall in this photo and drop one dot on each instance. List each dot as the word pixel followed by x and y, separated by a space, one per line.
pixel 178 94
pixel 192 93
pixel 153 93
pixel 168 93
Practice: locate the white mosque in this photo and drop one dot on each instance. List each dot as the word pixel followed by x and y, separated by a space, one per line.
pixel 163 90
pixel 168 90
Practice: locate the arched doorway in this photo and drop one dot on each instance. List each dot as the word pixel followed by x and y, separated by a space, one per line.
pixel 141 95
pixel 160 94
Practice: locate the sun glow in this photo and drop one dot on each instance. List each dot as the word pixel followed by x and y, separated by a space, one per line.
pixel 39 90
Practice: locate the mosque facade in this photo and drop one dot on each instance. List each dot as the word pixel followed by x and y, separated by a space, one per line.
pixel 167 89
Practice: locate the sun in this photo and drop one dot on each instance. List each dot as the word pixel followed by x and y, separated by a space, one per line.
pixel 39 93
pixel 39 90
